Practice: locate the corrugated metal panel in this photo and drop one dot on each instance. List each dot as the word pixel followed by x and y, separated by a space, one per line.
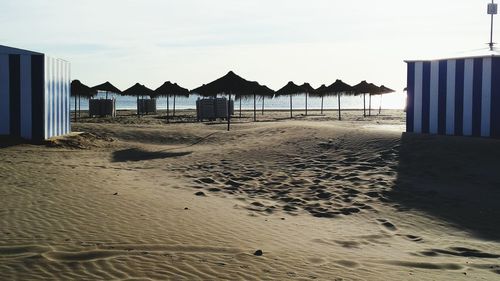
pixel 453 97
pixel 34 94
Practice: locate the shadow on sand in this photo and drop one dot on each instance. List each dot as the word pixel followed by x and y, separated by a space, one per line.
pixel 135 155
pixel 8 141
pixel 456 179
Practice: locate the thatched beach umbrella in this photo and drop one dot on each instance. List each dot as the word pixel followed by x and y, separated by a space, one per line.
pixel 290 89
pixel 339 88
pixel 261 91
pixel 383 90
pixel 229 84
pixel 320 92
pixel 266 92
pixel 169 89
pixel 364 88
pixel 108 88
pixel 307 90
pixel 78 90
pixel 138 90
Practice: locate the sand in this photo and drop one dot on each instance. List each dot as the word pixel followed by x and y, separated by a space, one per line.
pixel 140 199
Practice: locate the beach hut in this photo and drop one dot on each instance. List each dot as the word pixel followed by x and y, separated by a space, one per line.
pixel 455 96
pixel 34 94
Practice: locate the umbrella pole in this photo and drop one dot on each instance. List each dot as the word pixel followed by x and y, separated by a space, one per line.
pixel 168 109
pixel 322 105
pixel 138 107
pixel 370 105
pixel 340 114
pixel 291 110
pixel 75 108
pixel 229 112
pixel 380 106
pixel 254 108
pixel 306 104
pixel 263 97
pixel 173 113
pixel 80 107
pixel 240 107
pixel 364 106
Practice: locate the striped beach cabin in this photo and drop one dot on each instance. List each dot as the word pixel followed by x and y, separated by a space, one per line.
pixel 457 96
pixel 34 94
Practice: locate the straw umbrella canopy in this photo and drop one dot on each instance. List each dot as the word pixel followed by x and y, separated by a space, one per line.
pixel 78 89
pixel 290 89
pixel 169 89
pixel 229 84
pixel 138 90
pixel 339 88
pixel 107 87
pixel 307 90
pixel 365 88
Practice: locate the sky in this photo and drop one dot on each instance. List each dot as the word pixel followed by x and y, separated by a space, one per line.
pixel 192 42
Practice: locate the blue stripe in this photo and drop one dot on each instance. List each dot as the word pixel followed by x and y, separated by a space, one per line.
pixel 409 96
pixel 37 88
pixel 459 97
pixel 477 97
pixel 15 94
pixel 426 97
pixel 495 98
pixel 442 97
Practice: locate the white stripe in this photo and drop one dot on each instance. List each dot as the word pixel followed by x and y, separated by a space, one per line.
pixel 468 90
pixel 53 95
pixel 486 99
pixel 26 96
pixel 45 98
pixel 4 95
pixel 434 98
pixel 417 100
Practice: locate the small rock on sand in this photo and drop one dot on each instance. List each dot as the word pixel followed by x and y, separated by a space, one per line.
pixel 200 193
pixel 258 253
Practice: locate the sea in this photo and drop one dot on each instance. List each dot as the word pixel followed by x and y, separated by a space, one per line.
pixel 387 101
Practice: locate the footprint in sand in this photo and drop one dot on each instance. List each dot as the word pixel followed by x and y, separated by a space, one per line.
pixel 387 224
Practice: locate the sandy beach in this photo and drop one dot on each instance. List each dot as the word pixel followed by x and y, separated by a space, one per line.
pixel 142 199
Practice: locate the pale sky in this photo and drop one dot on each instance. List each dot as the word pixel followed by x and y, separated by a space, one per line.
pixel 192 42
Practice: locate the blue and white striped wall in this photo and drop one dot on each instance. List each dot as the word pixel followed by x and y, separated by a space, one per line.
pixel 454 97
pixel 34 95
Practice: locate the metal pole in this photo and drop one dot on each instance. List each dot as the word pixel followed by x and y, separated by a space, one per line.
pixel 254 108
pixel 380 106
pixel 168 109
pixel 370 105
pixel 322 105
pixel 173 113
pixel 263 105
pixel 291 113
pixel 229 112
pixel 364 105
pixel 340 117
pixel 75 108
pixel 240 108
pixel 306 104
pixel 491 30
